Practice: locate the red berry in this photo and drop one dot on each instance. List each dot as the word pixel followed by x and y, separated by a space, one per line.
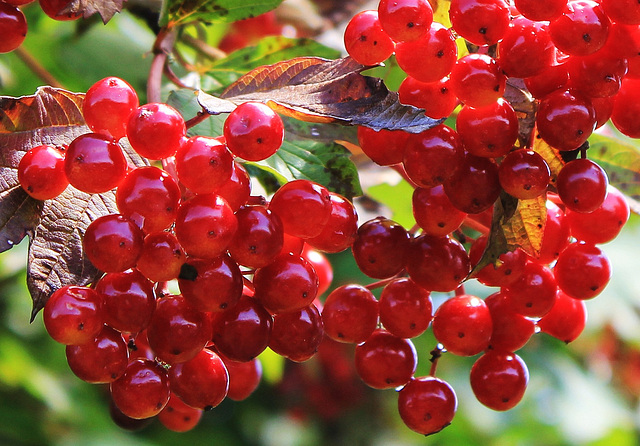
pixel 436 98
pixel 244 377
pixel 156 130
pixel 41 172
pixel 405 308
pixel 381 247
pixel 427 404
pixel 597 75
pixel 405 20
pixel 161 257
pixel 142 391
pixel 437 263
pixel 340 231
pixel 321 266
pixel 603 224
pixel 73 315
pixel 627 107
pixel 212 284
pixel 524 174
pixel 113 243
pixel 253 131
pixel 566 320
pixel 511 331
pixel 482 22
pixel 434 212
pixel 582 28
pixel 14 27
pixel 350 314
pixel 475 186
pixel 565 119
pixel 259 238
pixel 178 416
pixel 582 271
pixel 555 77
pixel 53 9
pixel 582 185
pixel 499 379
pixel 622 11
pixel 101 360
pixel 203 164
pixel 526 49
pixel 462 324
pixel 507 270
pixel 94 163
pixel 556 234
pixel 237 188
pixel 534 293
pixel 365 40
pixel 476 79
pixel 107 106
pixel 541 11
pixel 383 147
pixel 296 335
pixel 202 382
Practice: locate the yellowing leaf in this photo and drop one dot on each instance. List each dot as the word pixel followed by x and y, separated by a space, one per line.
pixel 550 155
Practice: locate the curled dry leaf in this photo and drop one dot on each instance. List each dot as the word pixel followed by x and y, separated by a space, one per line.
pixel 106 8
pixel 313 89
pixel 55 227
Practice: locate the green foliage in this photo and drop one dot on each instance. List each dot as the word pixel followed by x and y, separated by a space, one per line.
pixel 179 12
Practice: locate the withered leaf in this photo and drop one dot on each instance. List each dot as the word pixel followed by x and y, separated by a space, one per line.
pixel 550 155
pixel 525 107
pixel 106 8
pixel 55 227
pixel 319 90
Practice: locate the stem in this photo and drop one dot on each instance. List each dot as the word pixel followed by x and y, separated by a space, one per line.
pixel 173 78
pixel 471 223
pixel 382 283
pixel 37 68
pixel 202 47
pixel 436 353
pixel 162 289
pixel 460 290
pixel 161 49
pixel 197 119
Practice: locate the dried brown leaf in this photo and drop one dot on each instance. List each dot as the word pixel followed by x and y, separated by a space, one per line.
pixel 106 8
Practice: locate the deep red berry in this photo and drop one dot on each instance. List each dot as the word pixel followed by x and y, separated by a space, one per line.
pixel 41 172
pixel 383 147
pixel 161 257
pixel 434 212
pixel 101 360
pixel 340 231
pixel 150 197
pixel 54 8
pixel 259 238
pixel 321 265
pixel 565 119
pixel 113 243
pixel 237 189
pixel 482 22
pixel 385 361
pixel 582 270
pixel 526 49
pixel 365 40
pixel 511 331
pixel 534 293
pixel 201 382
pixel 178 416
pixel 555 77
pixel 203 164
pixel 94 163
pixel 555 236
pixel 405 308
pixel 296 335
pixel 437 263
pixel 405 20
pixel 142 391
pixel 603 224
pixel 244 377
pixel 627 107
pixel 582 185
pixel 73 315
pixel 253 131
pixel 128 300
pixel 475 186
pixel 436 98
pixel 205 225
pixel 566 320
pixel 622 11
pixel 541 11
pixel 381 247
pixel 524 174
pixel 427 404
pixel 211 285
pixel 507 270
pixel 582 28
pixel 107 106
pixel 499 379
pixel 156 130
pixel 476 79
pixel 14 27
pixel 431 57
pixel 462 324
pixel 488 131
pixel 350 314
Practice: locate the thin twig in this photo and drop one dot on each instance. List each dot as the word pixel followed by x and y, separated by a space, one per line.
pixel 37 68
pixel 161 49
pixel 202 47
pixel 197 119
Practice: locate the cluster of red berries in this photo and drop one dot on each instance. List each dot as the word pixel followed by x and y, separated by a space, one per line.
pixel 578 60
pixel 13 24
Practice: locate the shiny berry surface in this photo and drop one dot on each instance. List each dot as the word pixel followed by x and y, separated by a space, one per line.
pixel 427 404
pixel 475 186
pixel 436 98
pixel 566 320
pixel 350 314
pixel 155 130
pixel 53 9
pixel 405 308
pixel 203 164
pixel 582 270
pixel 201 382
pixel 161 257
pixel 499 379
pixel 565 119
pixel 582 185
pixel 94 163
pixel 259 238
pixel 296 335
pixel 113 243
pixel 73 315
pixel 253 131
pixel 14 27
pixel 142 391
pixel 211 285
pixel 534 293
pixel 340 231
pixel 482 22
pixel 434 212
pixel 437 263
pixel 41 172
pixel 477 80
pixel 101 360
pixel 405 20
pixel 605 223
pixel 381 247
pixel 384 147
pixel 178 416
pixel 582 28
pixel 524 174
pixel 365 40
pixel 463 325
pixel 107 106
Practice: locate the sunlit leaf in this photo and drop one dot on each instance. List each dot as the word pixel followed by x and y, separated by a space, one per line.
pixel 550 155
pixel 176 12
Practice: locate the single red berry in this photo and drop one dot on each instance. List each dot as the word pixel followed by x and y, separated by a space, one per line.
pixel 534 293
pixel 244 377
pixel 565 119
pixel 381 247
pixel 622 11
pixel 541 11
pixel 511 331
pixel 427 404
pixel 436 98
pixel 142 391
pixel 54 8
pixel 73 315
pixel 156 130
pixel 597 75
pixel 482 22
pixel 627 107
pixel 259 238
pixel 603 224
pixel 14 27
pixel 405 20
pixel 499 379
pixel 113 243
pixel 202 382
pixel 434 212
pixel 555 77
pixel 524 174
pixel 340 231
pixel 107 106
pixel 526 49
pixel 237 189
pixel 463 325
pixel 41 172
pixel 475 186
pixel 365 40
pixel 203 164
pixel 477 80
pixel 212 284
pixel 566 320
pixel 507 270
pixel 161 257
pixel 296 335
pixel 582 270
pixel 582 28
pixel 405 308
pixel 101 360
pixel 94 163
pixel 350 314
pixel 582 185
pixel 383 147
pixel 437 263
pixel 253 131
pixel 178 416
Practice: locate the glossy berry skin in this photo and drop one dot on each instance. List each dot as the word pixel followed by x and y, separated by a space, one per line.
pixel 156 130
pixel 604 224
pixel 555 77
pixel 499 379
pixel 582 271
pixel 52 8
pixel 296 335
pixel 582 185
pixel 244 377
pixel 622 11
pixel 41 172
pixel 431 157
pixel 476 79
pixel 303 206
pixel 582 28
pixel 626 108
pixel 511 331
pixel 488 131
pixel 14 27
pixel 242 332
pixel 431 57
pixel 288 283
pixel 555 236
pixel 526 49
pixel 178 416
pixel 597 75
pixel 350 314
pixel 161 257
pixel 253 131
pixel 365 40
pixel 142 391
pixel 524 174
pixel 507 270
pixel 73 315
pixel 427 404
pixel 385 361
pixel 475 186
pixel 462 324
pixel 340 231
pixel 565 120
pixel 237 189
pixel 113 243
pixel 566 320
pixel 101 360
pixel 540 11
pixel 177 331
pixel 321 266
pixel 383 147
pixel 482 22
pixel 381 247
pixel 437 263
pixel 434 212
pixel 436 98
pixel 534 293
pixel 107 106
pixel 259 238
pixel 405 308
pixel 201 382
pixel 150 197
pixel 205 225
pixel 405 20
pixel 128 300
pixel 203 164
pixel 94 163
pixel 211 285
pixel 125 422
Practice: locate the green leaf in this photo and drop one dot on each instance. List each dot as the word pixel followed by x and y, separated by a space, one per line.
pixel 267 51
pixel 221 11
pixel 397 197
